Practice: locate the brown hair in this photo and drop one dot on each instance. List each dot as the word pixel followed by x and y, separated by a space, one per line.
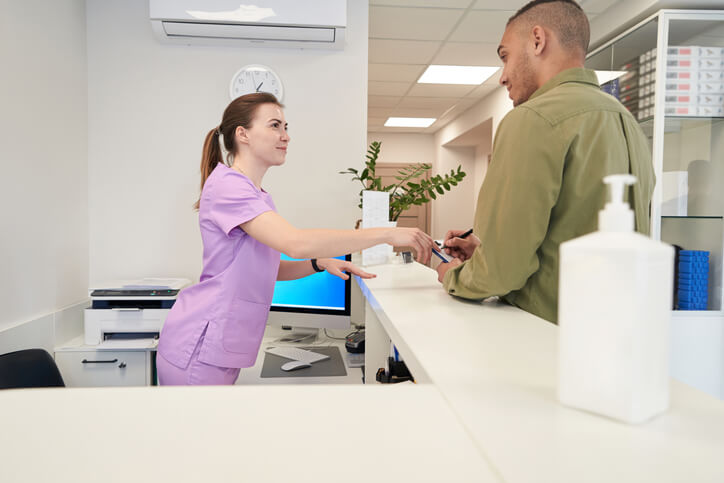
pixel 240 112
pixel 565 17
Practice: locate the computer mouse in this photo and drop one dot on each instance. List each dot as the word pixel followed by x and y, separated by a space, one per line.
pixel 294 365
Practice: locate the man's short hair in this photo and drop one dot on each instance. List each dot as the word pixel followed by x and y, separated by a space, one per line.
pixel 564 17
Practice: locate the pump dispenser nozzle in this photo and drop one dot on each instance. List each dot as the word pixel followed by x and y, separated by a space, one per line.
pixel 617 215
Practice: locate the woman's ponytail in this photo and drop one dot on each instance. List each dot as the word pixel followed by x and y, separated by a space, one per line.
pixel 210 157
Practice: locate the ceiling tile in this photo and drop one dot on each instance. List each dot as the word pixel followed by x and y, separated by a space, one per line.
pixel 412 23
pixel 481 91
pixel 424 3
pixel 379 88
pixel 468 53
pixel 498 5
pixel 440 90
pixel 379 112
pixel 494 79
pixel 382 101
pixel 412 112
pixel 482 26
pixel 395 72
pixel 431 102
pixel 375 122
pixel 383 51
pixel 596 6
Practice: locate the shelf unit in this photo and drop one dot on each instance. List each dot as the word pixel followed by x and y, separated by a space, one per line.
pixel 673 63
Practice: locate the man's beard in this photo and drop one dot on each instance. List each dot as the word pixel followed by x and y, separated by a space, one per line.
pixel 526 80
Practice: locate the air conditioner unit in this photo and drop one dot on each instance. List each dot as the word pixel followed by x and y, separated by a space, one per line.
pixel 315 24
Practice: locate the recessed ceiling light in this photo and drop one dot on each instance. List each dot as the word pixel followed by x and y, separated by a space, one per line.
pixel 608 75
pixel 457 74
pixel 409 121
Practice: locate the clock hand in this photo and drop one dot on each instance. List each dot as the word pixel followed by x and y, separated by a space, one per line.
pixel 259 86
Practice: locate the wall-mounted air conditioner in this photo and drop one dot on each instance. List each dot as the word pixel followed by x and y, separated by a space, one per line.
pixel 314 24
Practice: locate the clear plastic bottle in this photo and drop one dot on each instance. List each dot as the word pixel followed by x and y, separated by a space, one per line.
pixel 614 312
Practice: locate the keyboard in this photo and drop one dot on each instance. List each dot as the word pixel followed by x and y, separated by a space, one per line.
pixel 296 354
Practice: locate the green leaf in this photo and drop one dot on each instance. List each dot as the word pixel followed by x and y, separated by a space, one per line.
pixel 447 186
pixel 439 190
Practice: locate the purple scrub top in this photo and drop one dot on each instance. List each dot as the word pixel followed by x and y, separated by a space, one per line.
pixel 232 299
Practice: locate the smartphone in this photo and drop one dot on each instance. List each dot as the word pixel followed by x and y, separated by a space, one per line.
pixel 442 256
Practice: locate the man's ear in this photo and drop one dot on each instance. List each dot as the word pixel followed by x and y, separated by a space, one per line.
pixel 539 39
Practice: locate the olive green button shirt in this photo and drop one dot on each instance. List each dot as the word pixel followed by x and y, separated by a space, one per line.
pixel 544 186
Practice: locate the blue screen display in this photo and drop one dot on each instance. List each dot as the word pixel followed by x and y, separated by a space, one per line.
pixel 317 291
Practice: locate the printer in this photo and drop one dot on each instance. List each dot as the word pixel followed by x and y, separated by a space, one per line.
pixel 134 309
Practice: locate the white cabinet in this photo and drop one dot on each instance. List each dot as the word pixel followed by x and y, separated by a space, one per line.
pixel 669 72
pixel 86 367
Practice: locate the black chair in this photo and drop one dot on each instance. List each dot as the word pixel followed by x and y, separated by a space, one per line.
pixel 29 368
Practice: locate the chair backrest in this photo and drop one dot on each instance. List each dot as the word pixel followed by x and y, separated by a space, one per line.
pixel 29 368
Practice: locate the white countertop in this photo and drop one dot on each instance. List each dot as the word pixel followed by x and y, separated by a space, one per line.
pixel 496 366
pixel 320 433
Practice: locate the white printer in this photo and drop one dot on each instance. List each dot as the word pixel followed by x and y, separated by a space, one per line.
pixel 134 309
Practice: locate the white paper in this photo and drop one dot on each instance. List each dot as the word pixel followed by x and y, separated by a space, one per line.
pixel 149 283
pixel 375 214
pixel 141 343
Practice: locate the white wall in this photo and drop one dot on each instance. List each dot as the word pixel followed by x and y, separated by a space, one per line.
pixel 405 148
pixel 456 209
pixel 150 106
pixel 43 151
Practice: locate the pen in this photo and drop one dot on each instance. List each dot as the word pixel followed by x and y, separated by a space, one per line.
pixel 464 235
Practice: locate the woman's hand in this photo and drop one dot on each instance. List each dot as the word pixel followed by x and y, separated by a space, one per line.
pixel 420 241
pixel 460 248
pixel 337 267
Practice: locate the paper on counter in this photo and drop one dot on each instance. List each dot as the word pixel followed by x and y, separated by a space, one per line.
pixel 375 214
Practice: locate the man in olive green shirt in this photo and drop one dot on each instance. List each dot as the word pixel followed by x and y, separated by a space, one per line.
pixel 550 154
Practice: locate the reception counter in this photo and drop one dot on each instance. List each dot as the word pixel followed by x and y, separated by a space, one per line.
pixel 496 366
pixel 484 409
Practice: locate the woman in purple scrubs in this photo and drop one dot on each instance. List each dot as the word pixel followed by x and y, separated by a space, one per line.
pixel 216 326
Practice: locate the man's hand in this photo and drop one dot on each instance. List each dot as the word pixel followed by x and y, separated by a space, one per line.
pixel 444 267
pixel 461 248
pixel 337 267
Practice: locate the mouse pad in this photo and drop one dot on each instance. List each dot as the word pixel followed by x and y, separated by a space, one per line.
pixel 334 366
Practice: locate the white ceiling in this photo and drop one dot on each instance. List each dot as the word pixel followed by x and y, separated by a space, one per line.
pixel 405 36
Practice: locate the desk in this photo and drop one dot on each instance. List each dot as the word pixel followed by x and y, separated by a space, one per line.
pixel 252 375
pixel 496 366
pixel 233 434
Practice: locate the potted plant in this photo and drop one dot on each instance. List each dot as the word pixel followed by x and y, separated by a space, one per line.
pixel 408 190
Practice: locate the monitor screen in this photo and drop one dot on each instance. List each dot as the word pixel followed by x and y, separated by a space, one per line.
pixel 319 301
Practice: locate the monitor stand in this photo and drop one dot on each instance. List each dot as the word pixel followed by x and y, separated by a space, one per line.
pixel 298 335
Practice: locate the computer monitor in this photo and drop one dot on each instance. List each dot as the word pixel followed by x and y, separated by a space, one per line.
pixel 319 301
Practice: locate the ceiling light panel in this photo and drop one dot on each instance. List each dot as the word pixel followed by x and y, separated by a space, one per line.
pixel 457 74
pixel 409 121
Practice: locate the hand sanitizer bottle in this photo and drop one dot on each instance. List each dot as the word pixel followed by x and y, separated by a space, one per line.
pixel 614 312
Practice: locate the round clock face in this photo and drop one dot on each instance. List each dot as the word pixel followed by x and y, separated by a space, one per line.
pixel 255 78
